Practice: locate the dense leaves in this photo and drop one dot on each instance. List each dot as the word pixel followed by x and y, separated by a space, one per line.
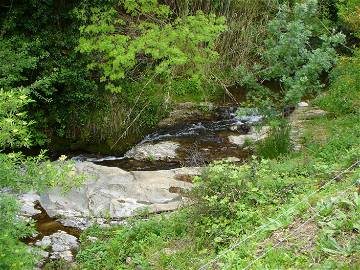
pixel 296 53
pixel 122 48
pixel 344 94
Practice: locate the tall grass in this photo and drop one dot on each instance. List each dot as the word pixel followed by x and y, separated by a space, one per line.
pixel 277 143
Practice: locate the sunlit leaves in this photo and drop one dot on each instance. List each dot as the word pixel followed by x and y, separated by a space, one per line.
pixel 349 11
pixel 156 43
pixel 14 125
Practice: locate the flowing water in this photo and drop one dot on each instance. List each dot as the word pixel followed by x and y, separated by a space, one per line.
pixel 201 141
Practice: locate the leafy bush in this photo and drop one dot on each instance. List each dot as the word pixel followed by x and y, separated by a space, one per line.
pixel 19 173
pixel 231 200
pixel 349 11
pixel 296 52
pixel 38 54
pixel 170 49
pixel 14 125
pixel 341 136
pixel 14 255
pixel 343 96
pixel 132 245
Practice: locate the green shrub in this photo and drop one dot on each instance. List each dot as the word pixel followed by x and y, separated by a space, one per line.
pixel 156 44
pixel 14 255
pixel 231 200
pixel 132 245
pixel 20 173
pixel 343 96
pixel 349 11
pixel 295 53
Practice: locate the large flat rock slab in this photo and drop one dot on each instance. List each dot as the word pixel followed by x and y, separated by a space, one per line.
pixel 115 193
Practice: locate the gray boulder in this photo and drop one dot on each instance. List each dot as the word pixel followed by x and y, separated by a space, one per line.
pixel 254 135
pixel 27 202
pixel 60 245
pixel 110 192
pixel 158 151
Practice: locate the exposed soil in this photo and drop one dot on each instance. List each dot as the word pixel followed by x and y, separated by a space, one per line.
pixel 297 235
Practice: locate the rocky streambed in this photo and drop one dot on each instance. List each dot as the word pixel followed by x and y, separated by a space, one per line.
pixel 153 176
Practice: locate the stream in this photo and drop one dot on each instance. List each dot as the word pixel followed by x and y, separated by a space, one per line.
pixel 198 142
pixel 201 141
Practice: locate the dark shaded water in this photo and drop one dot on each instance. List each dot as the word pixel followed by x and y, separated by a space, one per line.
pixel 201 142
pixel 46 225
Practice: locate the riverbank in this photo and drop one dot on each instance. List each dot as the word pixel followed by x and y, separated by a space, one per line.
pixel 285 201
pixel 275 198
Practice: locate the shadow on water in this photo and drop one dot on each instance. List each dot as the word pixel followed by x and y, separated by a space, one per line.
pixel 46 225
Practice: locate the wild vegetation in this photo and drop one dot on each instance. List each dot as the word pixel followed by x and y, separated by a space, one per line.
pixel 98 75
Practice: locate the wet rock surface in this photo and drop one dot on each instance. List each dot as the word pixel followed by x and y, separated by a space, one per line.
pixel 192 143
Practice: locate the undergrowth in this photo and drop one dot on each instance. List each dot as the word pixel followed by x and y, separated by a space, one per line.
pixel 232 202
pixel 289 209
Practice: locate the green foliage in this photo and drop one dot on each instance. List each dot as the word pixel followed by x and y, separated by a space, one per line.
pixel 14 255
pixel 15 58
pixel 343 96
pixel 179 48
pixel 22 173
pixel 60 265
pixel 192 88
pixel 131 245
pixel 246 28
pixel 296 53
pixel 349 11
pixel 232 200
pixel 342 134
pixel 14 125
pixel 277 143
pixel 37 52
pixel 339 219
pixel 19 173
